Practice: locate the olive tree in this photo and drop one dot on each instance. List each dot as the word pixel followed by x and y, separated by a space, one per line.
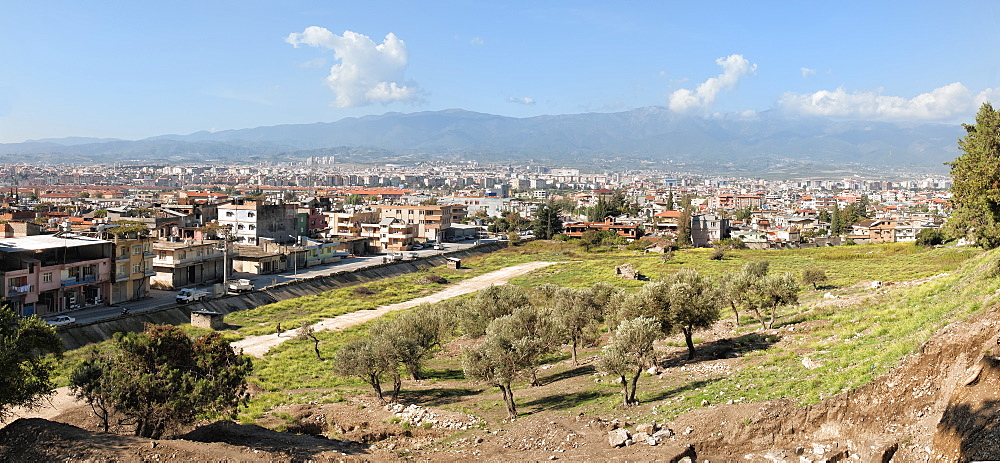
pixel 575 311
pixel 694 304
pixel 771 293
pixel 510 349
pixel 813 276
pixel 373 360
pixel 630 352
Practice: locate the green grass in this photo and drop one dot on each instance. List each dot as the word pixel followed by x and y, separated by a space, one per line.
pixel 854 344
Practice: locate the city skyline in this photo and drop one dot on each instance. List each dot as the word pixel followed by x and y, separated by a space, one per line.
pixel 134 71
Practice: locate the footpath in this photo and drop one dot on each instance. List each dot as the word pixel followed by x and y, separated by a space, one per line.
pixel 257 346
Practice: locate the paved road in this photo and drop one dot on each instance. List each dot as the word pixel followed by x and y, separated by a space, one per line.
pixel 159 298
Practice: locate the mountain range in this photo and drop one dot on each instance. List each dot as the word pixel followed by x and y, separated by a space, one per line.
pixel 650 135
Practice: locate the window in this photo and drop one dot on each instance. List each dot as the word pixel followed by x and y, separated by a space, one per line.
pixel 198 253
pixel 182 255
pixel 251 214
pixel 229 213
pixel 47 277
pixel 136 268
pixel 163 254
pixel 137 250
pixel 12 282
pixel 252 227
pixel 123 251
pixel 73 272
pixel 120 270
pixel 145 248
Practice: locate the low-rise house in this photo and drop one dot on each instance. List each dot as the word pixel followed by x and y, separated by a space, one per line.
pixel 631 231
pixel 708 228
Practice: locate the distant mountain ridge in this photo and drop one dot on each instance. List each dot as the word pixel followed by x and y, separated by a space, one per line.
pixel 653 134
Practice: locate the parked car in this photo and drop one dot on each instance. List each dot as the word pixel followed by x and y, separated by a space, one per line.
pixel 61 320
pixel 438 246
pixel 187 295
pixel 240 286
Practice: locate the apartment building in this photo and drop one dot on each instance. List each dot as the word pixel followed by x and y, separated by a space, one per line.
pixel 390 234
pixel 249 221
pixel 46 274
pixel 431 222
pixel 187 262
pixel 133 262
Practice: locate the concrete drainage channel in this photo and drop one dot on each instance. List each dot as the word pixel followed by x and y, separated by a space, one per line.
pixel 80 335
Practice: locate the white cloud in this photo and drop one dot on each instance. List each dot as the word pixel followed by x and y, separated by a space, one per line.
pixel 806 72
pixel 701 98
pixel 941 103
pixel 367 72
pixel 314 63
pixel 477 41
pixel 522 100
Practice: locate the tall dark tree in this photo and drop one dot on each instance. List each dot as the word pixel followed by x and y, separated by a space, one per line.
pixel 25 372
pixel 976 181
pixel 547 222
pixel 836 221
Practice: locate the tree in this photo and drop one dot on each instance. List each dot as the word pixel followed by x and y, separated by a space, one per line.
pixel 489 304
pixel 511 346
pixel 547 222
pixel 25 370
pixel 160 378
pixel 630 352
pixel 684 223
pixel 575 311
pixel 372 360
pixel 836 223
pixel 598 212
pixel 813 276
pixel 929 237
pixel 413 334
pixel 590 238
pixel 770 293
pixel 353 199
pixel 737 286
pixel 694 305
pixel 670 201
pixel 90 382
pixel 744 214
pixel 823 216
pixel 306 332
pixel 976 181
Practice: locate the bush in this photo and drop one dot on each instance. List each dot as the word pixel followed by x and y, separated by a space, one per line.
pixel 717 254
pixel 930 237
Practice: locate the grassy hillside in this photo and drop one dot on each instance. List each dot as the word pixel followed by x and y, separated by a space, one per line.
pixel 848 339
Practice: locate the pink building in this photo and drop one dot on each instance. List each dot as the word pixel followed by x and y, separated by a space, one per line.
pixel 46 274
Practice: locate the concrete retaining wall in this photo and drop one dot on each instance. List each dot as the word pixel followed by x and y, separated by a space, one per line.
pixel 80 335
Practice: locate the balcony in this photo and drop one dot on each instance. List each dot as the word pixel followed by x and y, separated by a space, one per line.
pixel 69 282
pixel 149 272
pixel 124 258
pixel 14 291
pixel 121 278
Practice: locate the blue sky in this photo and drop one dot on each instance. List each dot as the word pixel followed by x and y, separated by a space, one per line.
pixel 137 69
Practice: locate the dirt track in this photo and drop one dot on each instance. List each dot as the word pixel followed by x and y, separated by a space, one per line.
pixel 260 345
pixel 257 346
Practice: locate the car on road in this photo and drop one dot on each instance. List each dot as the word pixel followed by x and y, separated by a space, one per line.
pixel 188 295
pixel 61 320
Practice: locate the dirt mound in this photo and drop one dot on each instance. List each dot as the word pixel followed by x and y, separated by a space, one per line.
pixel 35 439
pixel 940 404
pixel 290 445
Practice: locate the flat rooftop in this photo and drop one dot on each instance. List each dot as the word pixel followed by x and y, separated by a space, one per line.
pixel 41 242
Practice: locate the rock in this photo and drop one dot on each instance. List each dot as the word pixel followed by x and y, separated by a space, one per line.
pixel 705 402
pixel 829 295
pixel 689 430
pixel 653 371
pixel 618 437
pixel 648 428
pixel 810 364
pixel 640 437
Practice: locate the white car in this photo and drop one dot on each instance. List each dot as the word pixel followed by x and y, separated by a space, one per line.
pixel 61 320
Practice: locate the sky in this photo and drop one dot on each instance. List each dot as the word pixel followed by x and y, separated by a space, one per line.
pixel 132 70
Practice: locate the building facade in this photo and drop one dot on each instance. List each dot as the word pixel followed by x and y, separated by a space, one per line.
pixel 47 274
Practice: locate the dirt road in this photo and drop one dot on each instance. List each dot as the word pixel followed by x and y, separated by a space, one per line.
pixel 257 346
